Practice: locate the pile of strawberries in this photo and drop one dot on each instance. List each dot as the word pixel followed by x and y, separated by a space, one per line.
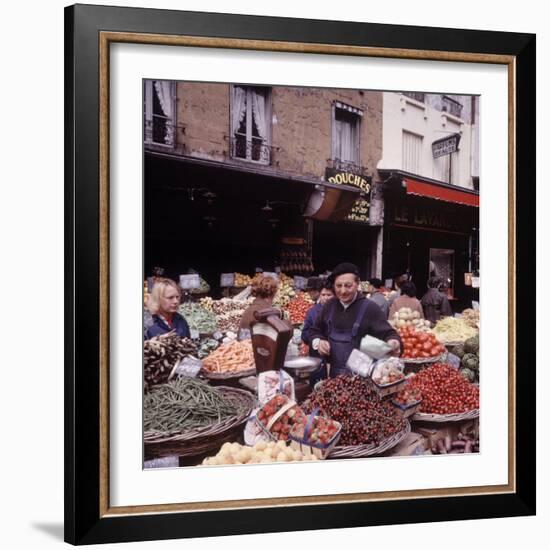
pixel 284 423
pixel 321 432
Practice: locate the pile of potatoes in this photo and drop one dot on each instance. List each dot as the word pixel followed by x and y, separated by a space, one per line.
pixel 262 452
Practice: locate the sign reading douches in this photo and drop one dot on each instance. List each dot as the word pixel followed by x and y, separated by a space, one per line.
pixel 445 146
pixel 360 210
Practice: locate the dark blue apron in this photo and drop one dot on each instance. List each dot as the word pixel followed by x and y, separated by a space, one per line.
pixel 343 342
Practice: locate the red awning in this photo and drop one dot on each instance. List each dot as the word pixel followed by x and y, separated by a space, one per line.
pixel 433 191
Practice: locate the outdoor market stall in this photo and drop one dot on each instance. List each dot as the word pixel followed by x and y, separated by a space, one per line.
pixel 222 397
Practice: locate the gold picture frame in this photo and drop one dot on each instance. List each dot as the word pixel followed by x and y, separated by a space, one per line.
pixel 89 516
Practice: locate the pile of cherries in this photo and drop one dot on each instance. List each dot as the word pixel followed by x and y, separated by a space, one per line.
pixel 444 390
pixel 354 402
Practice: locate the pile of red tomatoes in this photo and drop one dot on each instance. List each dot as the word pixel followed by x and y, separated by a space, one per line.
pixel 298 308
pixel 444 390
pixel 419 345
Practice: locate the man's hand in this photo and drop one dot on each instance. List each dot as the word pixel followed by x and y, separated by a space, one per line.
pixel 396 347
pixel 324 347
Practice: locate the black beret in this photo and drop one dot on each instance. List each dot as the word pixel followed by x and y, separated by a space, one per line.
pixel 343 268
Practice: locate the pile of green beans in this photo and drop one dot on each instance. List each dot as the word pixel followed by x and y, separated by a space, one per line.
pixel 186 404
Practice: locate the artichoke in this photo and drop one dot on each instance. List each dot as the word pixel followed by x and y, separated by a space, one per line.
pixel 469 374
pixel 459 351
pixel 470 361
pixel 472 345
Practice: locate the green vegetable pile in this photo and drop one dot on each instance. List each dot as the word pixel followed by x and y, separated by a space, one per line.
pixel 186 404
pixel 198 318
pixel 469 358
pixel 206 347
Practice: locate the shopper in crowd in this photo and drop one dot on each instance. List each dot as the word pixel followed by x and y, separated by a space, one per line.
pixel 407 299
pixel 398 281
pixel 377 296
pixel 264 289
pixel 325 294
pixel 435 302
pixel 314 285
pixel 345 319
pixel 163 303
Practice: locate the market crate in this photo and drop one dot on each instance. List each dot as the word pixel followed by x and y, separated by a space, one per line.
pixel 288 412
pixel 309 447
pixel 408 410
pixel 390 389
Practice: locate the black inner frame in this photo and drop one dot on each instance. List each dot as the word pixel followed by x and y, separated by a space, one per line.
pixel 82 522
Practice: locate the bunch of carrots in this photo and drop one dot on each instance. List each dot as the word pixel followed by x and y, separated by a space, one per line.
pixel 231 357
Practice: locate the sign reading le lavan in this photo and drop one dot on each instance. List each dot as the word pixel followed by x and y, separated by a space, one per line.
pixel 360 210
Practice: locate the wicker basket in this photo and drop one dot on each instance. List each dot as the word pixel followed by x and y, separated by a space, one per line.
pixel 422 360
pixel 202 440
pixel 360 451
pixel 228 375
pixel 457 417
pixel 453 343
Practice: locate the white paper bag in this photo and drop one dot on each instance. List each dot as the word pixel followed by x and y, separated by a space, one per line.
pixel 374 347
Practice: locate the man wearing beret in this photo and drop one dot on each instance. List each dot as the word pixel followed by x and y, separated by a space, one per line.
pixel 346 319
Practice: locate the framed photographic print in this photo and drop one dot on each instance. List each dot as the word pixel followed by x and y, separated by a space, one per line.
pixel 282 235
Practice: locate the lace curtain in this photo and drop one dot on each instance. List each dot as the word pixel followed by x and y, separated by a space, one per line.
pixel 163 89
pixel 258 106
pixel 239 106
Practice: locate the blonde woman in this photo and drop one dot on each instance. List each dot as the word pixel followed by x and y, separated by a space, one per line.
pixel 263 289
pixel 163 304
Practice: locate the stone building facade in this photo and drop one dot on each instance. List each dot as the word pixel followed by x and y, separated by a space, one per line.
pixel 276 144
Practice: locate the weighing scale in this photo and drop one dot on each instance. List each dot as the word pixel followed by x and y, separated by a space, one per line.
pixel 270 337
pixel 300 369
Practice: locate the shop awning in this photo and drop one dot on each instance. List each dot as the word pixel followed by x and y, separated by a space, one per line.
pixel 439 192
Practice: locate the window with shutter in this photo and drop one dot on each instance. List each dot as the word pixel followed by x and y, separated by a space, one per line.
pixel 251 123
pixel 345 135
pixel 159 112
pixel 412 152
